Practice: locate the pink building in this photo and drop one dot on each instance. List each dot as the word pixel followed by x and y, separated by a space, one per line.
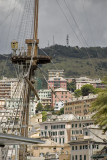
pixel 62 95
pixel 57 82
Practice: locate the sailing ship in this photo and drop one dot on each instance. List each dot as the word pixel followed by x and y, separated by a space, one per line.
pixel 27 62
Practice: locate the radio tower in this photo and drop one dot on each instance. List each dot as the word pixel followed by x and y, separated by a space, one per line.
pixel 67 40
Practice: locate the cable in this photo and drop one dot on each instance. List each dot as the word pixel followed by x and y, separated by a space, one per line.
pixel 74 31
pixel 8 14
pixel 83 2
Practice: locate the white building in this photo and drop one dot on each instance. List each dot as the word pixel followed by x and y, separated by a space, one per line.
pixel 55 73
pixel 10 87
pixel 57 128
pixel 84 80
pixel 44 93
pixel 90 143
pixel 58 106
pixel 32 107
pixel 45 96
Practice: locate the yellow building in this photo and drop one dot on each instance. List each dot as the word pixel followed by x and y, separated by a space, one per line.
pixel 79 106
pixel 34 127
pixel 51 150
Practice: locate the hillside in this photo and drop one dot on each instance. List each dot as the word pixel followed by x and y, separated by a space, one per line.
pixel 75 61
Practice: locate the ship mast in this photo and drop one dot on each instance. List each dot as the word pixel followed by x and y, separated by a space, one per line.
pixel 25 60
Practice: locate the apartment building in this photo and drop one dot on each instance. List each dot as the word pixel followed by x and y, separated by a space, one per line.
pixel 51 150
pixel 58 106
pixel 57 82
pixel 84 80
pixel 2 103
pixel 45 96
pixel 61 95
pixel 57 128
pixel 91 143
pixel 65 128
pixel 78 125
pixel 79 106
pixel 10 87
pixel 55 73
pixel 46 101
pixel 44 93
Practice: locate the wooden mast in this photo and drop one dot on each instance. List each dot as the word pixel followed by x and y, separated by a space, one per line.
pixel 25 61
pixel 32 44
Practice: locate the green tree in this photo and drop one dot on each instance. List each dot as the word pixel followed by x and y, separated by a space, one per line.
pixel 87 89
pixel 48 108
pixel 44 116
pixel 71 86
pixel 61 111
pixel 97 90
pixel 77 93
pixel 99 107
pixel 39 107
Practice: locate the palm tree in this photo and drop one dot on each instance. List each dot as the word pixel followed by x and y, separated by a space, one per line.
pixel 99 107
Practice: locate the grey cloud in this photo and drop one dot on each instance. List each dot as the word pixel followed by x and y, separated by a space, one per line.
pixel 89 14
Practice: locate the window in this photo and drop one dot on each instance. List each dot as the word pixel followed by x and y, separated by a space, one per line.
pixel 85 157
pixel 92 146
pixel 60 140
pixel 72 125
pixel 63 140
pixel 80 131
pixel 62 126
pixel 77 132
pixel 80 147
pixel 75 147
pixel 76 157
pixel 72 148
pixel 75 125
pixel 86 133
pixel 86 146
pixel 46 127
pixel 61 132
pixel 80 125
pixel 97 146
pixel 80 157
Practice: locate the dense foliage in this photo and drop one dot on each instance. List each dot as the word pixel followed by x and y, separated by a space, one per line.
pixel 76 52
pixel 91 62
pixel 99 107
pixel 87 89
pixel 71 86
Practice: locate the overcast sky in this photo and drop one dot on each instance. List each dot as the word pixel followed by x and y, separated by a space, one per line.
pixel 85 21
